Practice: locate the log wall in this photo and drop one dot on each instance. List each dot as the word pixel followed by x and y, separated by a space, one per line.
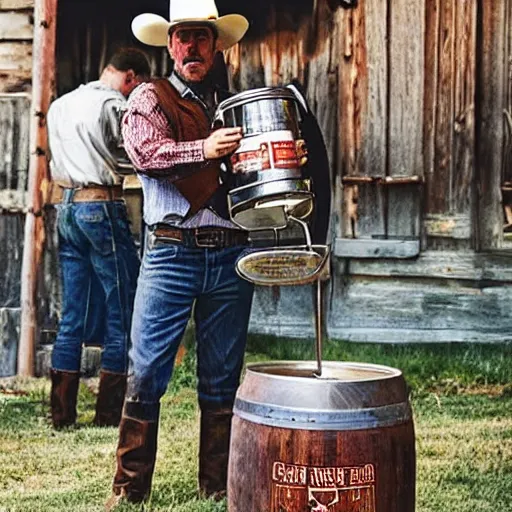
pixel 414 101
pixel 16 34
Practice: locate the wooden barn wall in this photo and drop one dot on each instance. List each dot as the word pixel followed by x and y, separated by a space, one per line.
pixel 14 140
pixel 393 85
pixel 414 100
pixel 506 174
pixel 449 130
pixel 16 33
pixel 397 88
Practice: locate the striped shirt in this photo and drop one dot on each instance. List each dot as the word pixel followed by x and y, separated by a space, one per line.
pixel 148 141
pixel 84 135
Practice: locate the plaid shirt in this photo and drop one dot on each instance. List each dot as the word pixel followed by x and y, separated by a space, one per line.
pixel 148 141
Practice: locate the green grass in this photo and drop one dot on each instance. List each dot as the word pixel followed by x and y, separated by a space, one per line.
pixel 461 396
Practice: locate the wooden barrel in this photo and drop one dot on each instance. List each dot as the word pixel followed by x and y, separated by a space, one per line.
pixel 342 442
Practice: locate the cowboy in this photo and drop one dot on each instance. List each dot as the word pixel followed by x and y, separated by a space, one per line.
pixel 189 260
pixel 98 258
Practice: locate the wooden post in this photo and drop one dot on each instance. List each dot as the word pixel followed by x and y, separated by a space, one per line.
pixel 490 103
pixel 43 83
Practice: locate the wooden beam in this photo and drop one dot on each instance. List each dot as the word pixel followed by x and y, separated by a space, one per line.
pixel 433 266
pixel 16 26
pixel 14 5
pixel 15 56
pixel 366 248
pixel 405 110
pixel 448 225
pixel 43 74
pixel 490 97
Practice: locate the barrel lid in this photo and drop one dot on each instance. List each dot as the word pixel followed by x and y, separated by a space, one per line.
pixel 262 93
pixel 331 370
pixel 342 385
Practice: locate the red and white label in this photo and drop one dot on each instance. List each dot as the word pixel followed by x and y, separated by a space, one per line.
pixel 272 150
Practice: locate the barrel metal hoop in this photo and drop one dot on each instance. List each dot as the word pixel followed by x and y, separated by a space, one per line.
pixel 264 93
pixel 303 419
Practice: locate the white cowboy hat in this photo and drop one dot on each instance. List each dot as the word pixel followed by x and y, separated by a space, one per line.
pixel 153 29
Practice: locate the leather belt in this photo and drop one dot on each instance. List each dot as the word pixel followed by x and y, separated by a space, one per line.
pixel 87 194
pixel 207 237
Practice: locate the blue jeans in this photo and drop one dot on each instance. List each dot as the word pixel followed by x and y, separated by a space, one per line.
pixel 96 252
pixel 174 282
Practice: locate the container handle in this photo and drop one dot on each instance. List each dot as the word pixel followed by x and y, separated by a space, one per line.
pixel 299 96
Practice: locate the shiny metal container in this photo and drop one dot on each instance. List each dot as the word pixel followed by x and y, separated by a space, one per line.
pixel 265 177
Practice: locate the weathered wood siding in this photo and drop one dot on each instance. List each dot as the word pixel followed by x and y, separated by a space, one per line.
pixel 410 98
pixel 394 86
pixel 14 140
pixel 16 33
pixel 413 99
pixel 399 96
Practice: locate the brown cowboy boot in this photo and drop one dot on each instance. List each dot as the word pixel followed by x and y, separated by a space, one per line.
pixel 136 454
pixel 63 397
pixel 109 403
pixel 214 451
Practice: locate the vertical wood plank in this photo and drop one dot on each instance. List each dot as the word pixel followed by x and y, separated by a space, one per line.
pixel 338 201
pixel 432 22
pixel 490 97
pixel 464 107
pixel 9 331
pixel 441 188
pixel 449 106
pixel 11 236
pixel 363 115
pixel 7 123
pixel 406 94
pixel 14 120
pixel 450 67
pixel 21 143
pixel 406 86
pixel 374 147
